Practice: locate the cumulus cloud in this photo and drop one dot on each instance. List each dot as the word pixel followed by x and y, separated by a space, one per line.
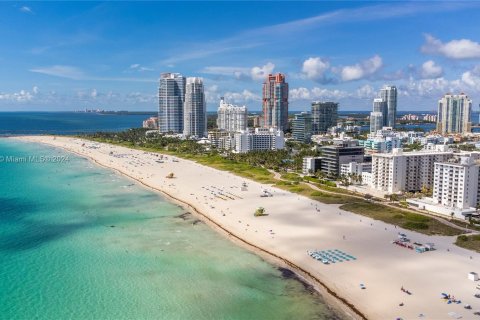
pixel 299 94
pixel 259 73
pixel 315 68
pixel 455 49
pixel 316 94
pixel 472 78
pixel 20 96
pixel 240 97
pixel 361 70
pixel 366 92
pixel 431 70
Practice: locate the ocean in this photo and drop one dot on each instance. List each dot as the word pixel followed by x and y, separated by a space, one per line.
pixel 78 241
pixel 63 123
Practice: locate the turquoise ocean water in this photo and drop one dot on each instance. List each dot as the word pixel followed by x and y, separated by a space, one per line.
pixel 80 242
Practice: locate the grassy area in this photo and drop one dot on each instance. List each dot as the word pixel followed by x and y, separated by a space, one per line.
pixel 408 220
pixel 291 177
pixel 465 224
pixel 471 242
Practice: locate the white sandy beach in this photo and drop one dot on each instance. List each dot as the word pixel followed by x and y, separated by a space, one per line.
pixel 294 225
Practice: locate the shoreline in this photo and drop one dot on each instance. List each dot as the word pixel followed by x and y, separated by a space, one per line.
pixel 331 298
pixel 325 283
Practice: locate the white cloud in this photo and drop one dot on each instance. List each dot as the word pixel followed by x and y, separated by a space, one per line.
pixel 316 93
pixel 365 92
pixel 268 35
pixel 94 93
pixel 68 72
pixel 472 78
pixel 431 70
pixel 139 68
pixel 315 68
pixel 299 94
pixel 240 73
pixel 455 49
pixel 21 96
pixel 74 73
pixel 26 9
pixel 241 97
pixel 259 73
pixel 362 69
pixel 255 73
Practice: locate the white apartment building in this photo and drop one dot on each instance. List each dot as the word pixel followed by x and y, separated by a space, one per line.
pixel 231 117
pixel 456 182
pixel 355 168
pixel 454 114
pixel 362 169
pixel 455 187
pixel 406 171
pixel 311 165
pixel 260 139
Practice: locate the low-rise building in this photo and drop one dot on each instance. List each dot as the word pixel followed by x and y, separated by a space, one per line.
pixel 311 165
pixel 381 145
pixel 151 123
pixel 260 139
pixel 220 139
pixel 335 155
pixel 357 169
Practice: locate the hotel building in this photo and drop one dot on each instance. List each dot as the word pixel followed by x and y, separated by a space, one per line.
pixel 260 139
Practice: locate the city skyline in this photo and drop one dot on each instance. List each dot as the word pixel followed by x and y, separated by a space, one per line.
pixel 110 55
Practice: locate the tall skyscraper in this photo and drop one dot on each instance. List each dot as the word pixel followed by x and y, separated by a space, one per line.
pixel 231 118
pixel 195 110
pixel 324 116
pixel 171 97
pixel 454 114
pixel 389 95
pixel 275 102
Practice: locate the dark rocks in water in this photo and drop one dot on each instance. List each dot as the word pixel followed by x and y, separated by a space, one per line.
pixel 197 221
pixel 112 226
pixel 184 216
pixel 289 274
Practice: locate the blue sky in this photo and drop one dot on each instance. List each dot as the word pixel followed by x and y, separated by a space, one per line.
pixel 72 55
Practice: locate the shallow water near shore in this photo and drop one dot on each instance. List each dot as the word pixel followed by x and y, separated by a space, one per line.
pixel 81 242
